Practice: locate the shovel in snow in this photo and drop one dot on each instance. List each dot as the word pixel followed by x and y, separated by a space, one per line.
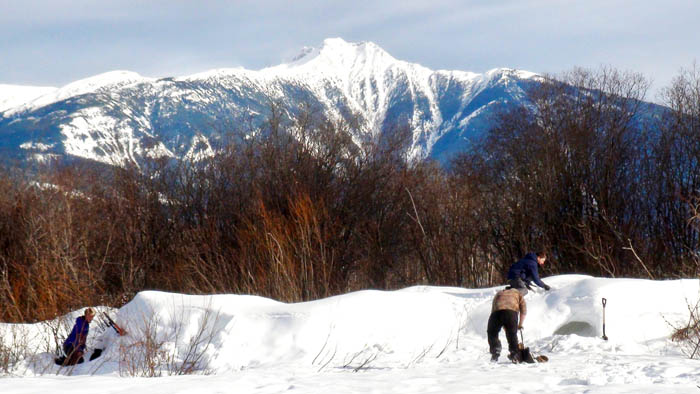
pixel 605 337
pixel 525 355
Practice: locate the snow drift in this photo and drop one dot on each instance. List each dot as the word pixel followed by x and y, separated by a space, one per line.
pixel 420 328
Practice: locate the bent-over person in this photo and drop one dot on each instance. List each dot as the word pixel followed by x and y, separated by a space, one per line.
pixel 525 271
pixel 506 306
pixel 74 346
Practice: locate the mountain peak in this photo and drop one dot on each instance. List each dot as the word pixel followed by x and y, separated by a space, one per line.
pixel 337 53
pixel 367 49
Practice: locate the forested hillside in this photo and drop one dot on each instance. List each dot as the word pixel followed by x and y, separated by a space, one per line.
pixel 294 210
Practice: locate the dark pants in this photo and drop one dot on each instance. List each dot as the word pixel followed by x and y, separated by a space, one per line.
pixel 518 283
pixel 73 355
pixel 508 320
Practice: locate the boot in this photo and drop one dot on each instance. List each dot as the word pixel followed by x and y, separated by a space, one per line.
pixel 514 357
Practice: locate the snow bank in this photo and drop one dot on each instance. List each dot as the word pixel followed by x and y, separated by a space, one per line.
pixel 255 332
pixel 377 330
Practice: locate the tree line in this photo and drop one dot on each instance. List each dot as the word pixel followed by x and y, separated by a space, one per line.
pixel 294 209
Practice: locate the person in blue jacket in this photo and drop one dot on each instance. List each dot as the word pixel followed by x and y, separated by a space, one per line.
pixel 523 272
pixel 74 345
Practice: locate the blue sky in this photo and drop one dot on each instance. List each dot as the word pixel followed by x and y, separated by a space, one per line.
pixel 54 42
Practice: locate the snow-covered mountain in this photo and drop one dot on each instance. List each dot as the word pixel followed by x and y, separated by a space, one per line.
pixel 120 117
pixel 15 95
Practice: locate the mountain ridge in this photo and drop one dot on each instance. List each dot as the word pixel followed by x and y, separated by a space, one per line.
pixel 121 117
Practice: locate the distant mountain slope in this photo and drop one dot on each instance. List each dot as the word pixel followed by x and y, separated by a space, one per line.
pixel 121 117
pixel 12 96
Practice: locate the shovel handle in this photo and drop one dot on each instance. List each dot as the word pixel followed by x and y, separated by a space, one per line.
pixel 605 301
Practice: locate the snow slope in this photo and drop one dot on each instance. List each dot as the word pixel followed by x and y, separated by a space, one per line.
pixel 416 340
pixel 12 96
pixel 47 96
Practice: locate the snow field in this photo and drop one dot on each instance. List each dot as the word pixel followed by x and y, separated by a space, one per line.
pixel 416 340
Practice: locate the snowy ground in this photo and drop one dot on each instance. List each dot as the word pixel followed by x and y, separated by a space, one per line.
pixel 416 340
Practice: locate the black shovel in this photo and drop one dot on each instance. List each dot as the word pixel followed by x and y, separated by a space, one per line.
pixel 525 355
pixel 605 337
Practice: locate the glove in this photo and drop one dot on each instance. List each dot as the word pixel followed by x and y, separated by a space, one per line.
pixel 546 287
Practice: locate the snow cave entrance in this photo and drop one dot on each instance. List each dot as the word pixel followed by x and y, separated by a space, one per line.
pixel 580 328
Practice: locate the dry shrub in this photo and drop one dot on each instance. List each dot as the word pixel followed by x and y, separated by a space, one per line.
pixel 155 347
pixel 46 268
pixel 13 348
pixel 18 344
pixel 292 253
pixel 688 336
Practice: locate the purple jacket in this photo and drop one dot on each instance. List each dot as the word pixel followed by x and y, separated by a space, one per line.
pixel 79 334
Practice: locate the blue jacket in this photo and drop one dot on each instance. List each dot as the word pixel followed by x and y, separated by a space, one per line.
pixel 526 269
pixel 79 334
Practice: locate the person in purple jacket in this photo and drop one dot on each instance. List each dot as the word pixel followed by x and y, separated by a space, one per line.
pixel 74 345
pixel 522 273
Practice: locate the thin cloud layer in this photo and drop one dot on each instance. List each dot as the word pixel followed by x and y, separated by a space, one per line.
pixel 56 42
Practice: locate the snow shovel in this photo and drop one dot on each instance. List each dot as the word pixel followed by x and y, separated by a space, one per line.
pixel 605 337
pixel 525 355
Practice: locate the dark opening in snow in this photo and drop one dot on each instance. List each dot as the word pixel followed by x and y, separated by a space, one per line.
pixel 580 328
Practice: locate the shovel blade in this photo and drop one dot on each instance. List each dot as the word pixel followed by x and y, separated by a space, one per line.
pixel 542 358
pixel 526 356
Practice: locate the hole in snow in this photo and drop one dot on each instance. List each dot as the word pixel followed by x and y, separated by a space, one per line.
pixel 579 328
